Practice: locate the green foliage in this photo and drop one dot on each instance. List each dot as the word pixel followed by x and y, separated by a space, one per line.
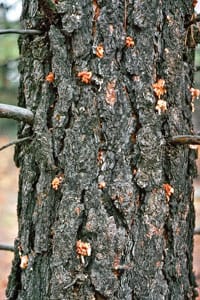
pixel 197 56
pixel 8 74
pixel 9 48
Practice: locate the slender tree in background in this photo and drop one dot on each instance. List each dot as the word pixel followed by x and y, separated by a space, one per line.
pixel 105 204
pixel 9 51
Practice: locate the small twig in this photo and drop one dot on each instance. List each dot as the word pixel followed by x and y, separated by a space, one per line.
pixel 16 142
pixel 20 31
pixel 6 247
pixel 197 230
pixel 80 277
pixel 70 284
pixel 16 113
pixel 185 140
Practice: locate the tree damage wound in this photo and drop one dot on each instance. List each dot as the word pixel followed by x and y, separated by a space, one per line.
pixel 99 176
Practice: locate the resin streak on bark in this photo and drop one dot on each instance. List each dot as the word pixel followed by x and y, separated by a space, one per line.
pixel 107 142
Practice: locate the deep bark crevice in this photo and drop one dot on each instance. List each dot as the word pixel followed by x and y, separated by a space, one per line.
pixel 112 210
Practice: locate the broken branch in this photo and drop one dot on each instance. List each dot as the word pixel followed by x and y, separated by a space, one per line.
pixel 185 140
pixel 197 230
pixel 16 113
pixel 20 31
pixel 6 247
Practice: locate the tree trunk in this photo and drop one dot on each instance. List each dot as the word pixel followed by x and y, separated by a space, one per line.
pixel 100 172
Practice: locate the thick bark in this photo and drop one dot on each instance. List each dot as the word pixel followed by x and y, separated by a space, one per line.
pixel 107 144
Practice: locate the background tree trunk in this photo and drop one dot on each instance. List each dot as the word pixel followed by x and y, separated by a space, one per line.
pixel 108 145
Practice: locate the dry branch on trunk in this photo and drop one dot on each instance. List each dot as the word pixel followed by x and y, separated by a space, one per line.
pixel 21 31
pixel 185 140
pixel 6 247
pixel 16 113
pixel 197 230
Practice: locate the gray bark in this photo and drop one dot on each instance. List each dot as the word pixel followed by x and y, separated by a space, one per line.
pixel 108 144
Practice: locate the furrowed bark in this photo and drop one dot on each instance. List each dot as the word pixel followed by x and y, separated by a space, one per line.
pixel 107 147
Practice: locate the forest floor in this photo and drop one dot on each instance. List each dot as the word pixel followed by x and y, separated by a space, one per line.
pixel 8 220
